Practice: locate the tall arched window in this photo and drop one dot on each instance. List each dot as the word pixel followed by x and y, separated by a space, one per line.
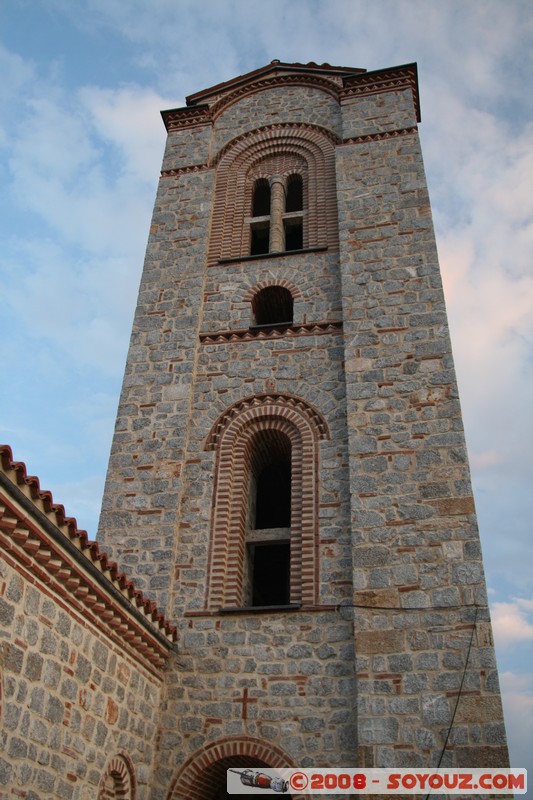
pixel 267 452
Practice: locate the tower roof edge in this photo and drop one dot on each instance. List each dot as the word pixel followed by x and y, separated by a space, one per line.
pixel 275 66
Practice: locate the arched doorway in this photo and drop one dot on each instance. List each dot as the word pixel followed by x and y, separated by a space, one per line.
pixel 204 775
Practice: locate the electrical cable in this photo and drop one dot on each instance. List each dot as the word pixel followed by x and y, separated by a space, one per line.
pixel 450 728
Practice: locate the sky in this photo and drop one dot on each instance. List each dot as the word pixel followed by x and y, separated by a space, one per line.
pixel 81 143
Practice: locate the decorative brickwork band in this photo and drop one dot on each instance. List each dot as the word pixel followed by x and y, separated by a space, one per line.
pixel 378 137
pixel 204 774
pixel 308 329
pixel 284 150
pixel 234 436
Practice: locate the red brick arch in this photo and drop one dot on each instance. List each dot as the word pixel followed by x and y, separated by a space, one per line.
pixel 253 290
pixel 118 781
pixel 309 150
pixel 205 771
pixel 232 437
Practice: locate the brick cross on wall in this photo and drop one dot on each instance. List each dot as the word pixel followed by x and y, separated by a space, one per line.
pixel 245 700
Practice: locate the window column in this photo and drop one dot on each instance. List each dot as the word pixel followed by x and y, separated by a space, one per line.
pixel 277 209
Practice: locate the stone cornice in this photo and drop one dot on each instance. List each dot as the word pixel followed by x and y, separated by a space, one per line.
pixel 175 173
pixel 178 118
pixel 383 80
pixel 381 136
pixel 271 332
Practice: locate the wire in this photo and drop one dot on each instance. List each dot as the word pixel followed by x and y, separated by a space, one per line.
pixel 410 608
pixel 434 608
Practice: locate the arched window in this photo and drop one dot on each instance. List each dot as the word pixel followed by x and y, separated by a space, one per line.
pixel 298 164
pixel 265 519
pixel 118 781
pixel 273 305
pixel 277 214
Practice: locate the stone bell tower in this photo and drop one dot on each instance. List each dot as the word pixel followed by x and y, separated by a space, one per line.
pixel 289 479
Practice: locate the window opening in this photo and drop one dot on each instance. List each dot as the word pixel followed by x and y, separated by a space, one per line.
pixel 273 497
pixel 276 225
pixel 294 234
pixel 261 198
pixel 294 196
pixel 271 574
pixel 260 230
pixel 267 574
pixel 273 305
pixel 260 238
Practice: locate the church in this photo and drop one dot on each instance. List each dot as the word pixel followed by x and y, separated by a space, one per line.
pixel 288 570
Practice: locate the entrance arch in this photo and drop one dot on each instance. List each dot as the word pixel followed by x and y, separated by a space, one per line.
pixel 203 776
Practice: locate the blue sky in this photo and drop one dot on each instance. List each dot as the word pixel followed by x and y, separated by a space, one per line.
pixel 81 142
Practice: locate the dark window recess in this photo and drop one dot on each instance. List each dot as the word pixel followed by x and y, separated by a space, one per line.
pixel 260 236
pixel 261 199
pixel 294 234
pixel 271 574
pixel 294 196
pixel 273 305
pixel 273 499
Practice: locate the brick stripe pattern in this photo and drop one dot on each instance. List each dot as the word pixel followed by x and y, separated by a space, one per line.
pixel 232 436
pixel 283 150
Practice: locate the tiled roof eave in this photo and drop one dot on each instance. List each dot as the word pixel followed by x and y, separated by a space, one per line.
pixel 33 527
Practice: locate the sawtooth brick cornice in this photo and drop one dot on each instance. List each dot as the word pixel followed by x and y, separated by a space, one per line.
pixel 273 332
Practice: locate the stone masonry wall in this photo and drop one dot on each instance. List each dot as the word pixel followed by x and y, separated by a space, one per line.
pixel 416 542
pixel 141 497
pixel 286 679
pixel 71 699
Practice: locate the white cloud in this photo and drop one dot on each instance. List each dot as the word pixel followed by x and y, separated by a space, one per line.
pixel 512 622
pixel 517 694
pixel 128 119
